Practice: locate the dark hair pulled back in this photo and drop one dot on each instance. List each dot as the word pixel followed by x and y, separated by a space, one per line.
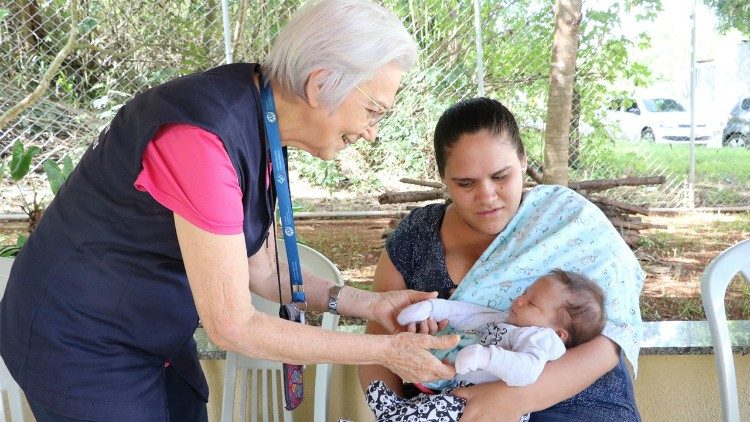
pixel 471 116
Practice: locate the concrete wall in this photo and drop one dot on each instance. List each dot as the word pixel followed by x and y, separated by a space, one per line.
pixel 685 388
pixel 668 388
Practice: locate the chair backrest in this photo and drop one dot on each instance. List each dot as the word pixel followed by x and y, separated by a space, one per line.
pixel 265 377
pixel 8 385
pixel 716 278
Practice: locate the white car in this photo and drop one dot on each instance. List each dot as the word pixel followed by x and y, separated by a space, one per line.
pixel 656 119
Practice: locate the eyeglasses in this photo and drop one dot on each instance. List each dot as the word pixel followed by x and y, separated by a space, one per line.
pixel 375 116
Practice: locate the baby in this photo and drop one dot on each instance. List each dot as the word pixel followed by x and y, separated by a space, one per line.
pixel 560 309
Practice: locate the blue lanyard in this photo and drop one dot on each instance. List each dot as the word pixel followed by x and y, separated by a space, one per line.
pixel 282 191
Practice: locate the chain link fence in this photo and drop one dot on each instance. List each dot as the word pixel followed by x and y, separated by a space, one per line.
pixel 125 47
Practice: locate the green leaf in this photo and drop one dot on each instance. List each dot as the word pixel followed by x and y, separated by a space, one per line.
pixel 54 175
pixel 21 160
pixel 67 166
pixel 4 13
pixel 57 175
pixel 87 25
pixel 9 251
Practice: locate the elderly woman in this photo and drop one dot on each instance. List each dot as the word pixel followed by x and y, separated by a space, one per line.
pixel 488 246
pixel 166 221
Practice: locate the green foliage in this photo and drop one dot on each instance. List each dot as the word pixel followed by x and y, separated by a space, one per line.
pixel 86 25
pixel 723 172
pixel 56 174
pixel 732 14
pixel 12 250
pixel 517 43
pixel 20 164
pixel 711 164
pixel 127 48
pixel 327 174
pixel 691 309
pixel 21 160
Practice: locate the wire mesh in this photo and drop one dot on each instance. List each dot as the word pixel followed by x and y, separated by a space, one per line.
pixel 123 48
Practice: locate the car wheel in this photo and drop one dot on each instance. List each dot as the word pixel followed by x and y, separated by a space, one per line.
pixel 737 140
pixel 648 135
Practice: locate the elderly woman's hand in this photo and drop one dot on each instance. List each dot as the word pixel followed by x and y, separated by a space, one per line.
pixel 492 401
pixel 390 303
pixel 409 358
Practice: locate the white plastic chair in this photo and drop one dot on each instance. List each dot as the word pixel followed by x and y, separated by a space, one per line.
pixel 7 383
pixel 266 376
pixel 714 283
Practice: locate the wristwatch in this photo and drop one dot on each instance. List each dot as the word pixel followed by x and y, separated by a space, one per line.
pixel 333 299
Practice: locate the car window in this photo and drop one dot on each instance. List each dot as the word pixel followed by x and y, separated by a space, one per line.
pixel 662 105
pixel 746 104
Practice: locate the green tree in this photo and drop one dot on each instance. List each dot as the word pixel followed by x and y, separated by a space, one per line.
pixel 732 14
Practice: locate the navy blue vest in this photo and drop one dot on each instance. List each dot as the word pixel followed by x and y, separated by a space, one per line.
pixel 98 298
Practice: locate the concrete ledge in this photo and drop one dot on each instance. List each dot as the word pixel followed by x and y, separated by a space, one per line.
pixel 676 366
pixel 690 338
pixel 659 338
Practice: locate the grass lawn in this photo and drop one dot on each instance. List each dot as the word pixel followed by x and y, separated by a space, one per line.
pixel 722 175
pixel 711 164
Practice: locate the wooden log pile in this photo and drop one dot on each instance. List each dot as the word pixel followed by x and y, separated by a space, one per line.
pixel 625 217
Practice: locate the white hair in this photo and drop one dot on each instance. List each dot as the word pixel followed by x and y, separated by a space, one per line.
pixel 350 40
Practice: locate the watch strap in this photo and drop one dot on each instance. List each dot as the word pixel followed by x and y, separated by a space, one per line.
pixel 333 299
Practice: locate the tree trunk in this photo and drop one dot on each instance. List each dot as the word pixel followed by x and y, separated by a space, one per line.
pixel 28 24
pixel 559 106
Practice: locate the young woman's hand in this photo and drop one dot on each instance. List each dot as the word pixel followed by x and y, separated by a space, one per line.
pixel 491 402
pixel 428 326
pixel 419 318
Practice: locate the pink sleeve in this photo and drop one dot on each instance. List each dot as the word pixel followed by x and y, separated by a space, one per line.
pixel 187 169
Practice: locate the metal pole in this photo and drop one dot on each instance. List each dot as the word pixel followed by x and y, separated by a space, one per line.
pixel 691 177
pixel 480 50
pixel 227 31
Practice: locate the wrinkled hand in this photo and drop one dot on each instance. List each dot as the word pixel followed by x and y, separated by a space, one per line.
pixel 389 304
pixel 472 358
pixel 491 402
pixel 409 358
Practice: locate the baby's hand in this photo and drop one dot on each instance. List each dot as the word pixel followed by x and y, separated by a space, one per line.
pixel 472 358
pixel 416 312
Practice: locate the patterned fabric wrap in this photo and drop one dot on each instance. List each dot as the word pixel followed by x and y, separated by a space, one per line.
pixel 556 227
pixel 389 407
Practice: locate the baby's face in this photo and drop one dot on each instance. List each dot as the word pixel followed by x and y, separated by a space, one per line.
pixel 538 305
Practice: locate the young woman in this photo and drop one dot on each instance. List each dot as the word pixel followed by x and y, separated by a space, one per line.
pixel 491 243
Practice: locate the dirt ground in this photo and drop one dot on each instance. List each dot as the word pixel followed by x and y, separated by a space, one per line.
pixel 673 258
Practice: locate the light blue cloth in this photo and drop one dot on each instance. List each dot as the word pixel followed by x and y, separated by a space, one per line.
pixel 556 227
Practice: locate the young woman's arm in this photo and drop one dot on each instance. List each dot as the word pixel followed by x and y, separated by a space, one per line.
pixel 387 278
pixel 561 379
